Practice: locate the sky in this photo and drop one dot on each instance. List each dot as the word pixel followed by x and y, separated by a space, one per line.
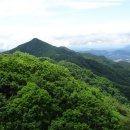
pixel 76 24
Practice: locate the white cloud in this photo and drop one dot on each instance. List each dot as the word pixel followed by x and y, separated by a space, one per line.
pixel 98 40
pixel 18 28
pixel 13 35
pixel 9 8
pixel 91 5
pixel 43 7
pixel 88 4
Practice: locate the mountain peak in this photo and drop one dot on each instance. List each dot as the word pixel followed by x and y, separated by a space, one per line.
pixel 35 40
pixel 36 47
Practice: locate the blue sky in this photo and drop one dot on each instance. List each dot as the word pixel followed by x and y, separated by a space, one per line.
pixel 79 24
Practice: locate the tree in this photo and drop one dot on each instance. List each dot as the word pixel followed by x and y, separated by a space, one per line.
pixel 29 109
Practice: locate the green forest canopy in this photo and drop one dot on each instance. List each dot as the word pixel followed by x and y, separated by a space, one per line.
pixel 119 73
pixel 39 93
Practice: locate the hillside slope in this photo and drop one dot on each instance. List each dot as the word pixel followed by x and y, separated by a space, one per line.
pixel 44 95
pixel 40 48
pixel 98 65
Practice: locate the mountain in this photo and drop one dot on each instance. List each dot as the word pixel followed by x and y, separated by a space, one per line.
pixel 2 50
pixel 122 54
pixel 40 48
pixel 96 52
pixel 98 65
pixel 41 94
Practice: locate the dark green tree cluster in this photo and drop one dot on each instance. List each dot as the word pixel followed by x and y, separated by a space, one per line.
pixel 40 94
pixel 119 73
pixel 105 85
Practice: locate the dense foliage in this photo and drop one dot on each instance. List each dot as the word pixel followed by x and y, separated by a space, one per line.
pixel 117 73
pixel 39 93
pixel 105 85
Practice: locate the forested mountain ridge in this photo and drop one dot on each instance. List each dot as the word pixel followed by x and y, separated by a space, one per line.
pixel 98 65
pixel 40 48
pixel 44 94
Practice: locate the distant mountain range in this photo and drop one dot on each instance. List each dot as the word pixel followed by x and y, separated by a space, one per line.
pixel 116 55
pixel 1 50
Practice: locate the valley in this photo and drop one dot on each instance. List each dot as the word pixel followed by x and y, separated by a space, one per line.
pixel 116 55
